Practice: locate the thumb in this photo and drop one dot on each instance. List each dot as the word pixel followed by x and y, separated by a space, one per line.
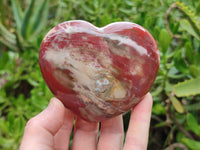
pixel 39 130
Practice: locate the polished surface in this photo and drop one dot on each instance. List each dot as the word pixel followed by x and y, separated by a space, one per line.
pixel 99 72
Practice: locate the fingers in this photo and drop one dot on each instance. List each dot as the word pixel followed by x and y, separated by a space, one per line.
pixel 112 134
pixel 85 135
pixel 62 137
pixel 40 130
pixel 137 135
pixel 51 129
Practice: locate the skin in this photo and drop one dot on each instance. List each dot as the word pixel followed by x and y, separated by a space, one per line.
pixel 51 130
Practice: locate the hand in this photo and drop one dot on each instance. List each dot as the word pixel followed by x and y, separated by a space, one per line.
pixel 51 129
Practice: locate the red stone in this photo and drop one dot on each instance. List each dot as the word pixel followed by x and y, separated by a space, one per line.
pixel 99 73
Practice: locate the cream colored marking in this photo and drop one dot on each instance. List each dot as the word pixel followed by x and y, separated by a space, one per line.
pixel 137 70
pixel 122 39
pixel 142 81
pixel 80 70
pixel 84 38
pixel 85 73
pixel 127 41
pixel 118 92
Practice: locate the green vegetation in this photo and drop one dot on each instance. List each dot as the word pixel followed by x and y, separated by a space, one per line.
pixel 174 24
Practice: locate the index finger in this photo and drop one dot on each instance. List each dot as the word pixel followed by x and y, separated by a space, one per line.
pixel 138 130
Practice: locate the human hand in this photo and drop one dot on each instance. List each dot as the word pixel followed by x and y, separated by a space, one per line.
pixel 51 130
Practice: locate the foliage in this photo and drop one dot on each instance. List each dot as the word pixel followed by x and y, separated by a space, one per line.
pixel 28 24
pixel 174 24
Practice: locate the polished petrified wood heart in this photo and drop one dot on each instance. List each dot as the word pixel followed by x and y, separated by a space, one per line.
pixel 99 73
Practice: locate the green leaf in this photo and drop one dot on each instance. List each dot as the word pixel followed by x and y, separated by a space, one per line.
pixel 159 109
pixel 185 25
pixel 168 87
pixel 194 71
pixel 196 59
pixel 4 59
pixel 174 73
pixel 8 44
pixel 187 88
pixel 125 11
pixel 149 21
pixel 19 125
pixel 156 92
pixel 105 19
pixel 198 8
pixel 17 13
pixel 26 20
pixel 175 27
pixel 192 144
pixel 40 18
pixel 179 61
pixel 87 9
pixel 32 82
pixel 3 127
pixel 2 100
pixel 193 124
pixel 10 119
pixel 7 34
pixel 164 40
pixel 5 143
pixel 3 11
pixel 192 107
pixel 189 52
pixel 156 31
pixel 161 124
pixel 177 105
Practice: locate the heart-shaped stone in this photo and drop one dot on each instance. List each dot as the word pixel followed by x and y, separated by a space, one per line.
pixel 99 73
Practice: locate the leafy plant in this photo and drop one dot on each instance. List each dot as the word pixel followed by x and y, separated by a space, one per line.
pixel 175 26
pixel 28 24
